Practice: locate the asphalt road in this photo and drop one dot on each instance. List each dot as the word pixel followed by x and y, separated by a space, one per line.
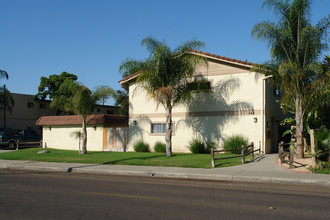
pixel 46 195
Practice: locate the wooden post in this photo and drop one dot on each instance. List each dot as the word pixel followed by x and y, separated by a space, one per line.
pixel 252 151
pixel 17 143
pixel 313 148
pixel 212 157
pixel 291 158
pixel 243 154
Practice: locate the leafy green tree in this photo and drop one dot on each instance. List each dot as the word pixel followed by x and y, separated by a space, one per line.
pixel 103 93
pixel 49 87
pixel 63 100
pixel 83 104
pixel 166 75
pixel 121 101
pixel 295 47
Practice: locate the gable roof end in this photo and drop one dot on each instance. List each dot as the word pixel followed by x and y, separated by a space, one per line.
pixel 208 55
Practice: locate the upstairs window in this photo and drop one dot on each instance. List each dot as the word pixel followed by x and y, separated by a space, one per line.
pixel 110 112
pixel 42 105
pixel 201 85
pixel 276 91
pixel 30 104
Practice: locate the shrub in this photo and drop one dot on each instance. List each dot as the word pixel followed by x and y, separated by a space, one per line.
pixel 140 146
pixel 235 141
pixel 160 147
pixel 211 145
pixel 197 147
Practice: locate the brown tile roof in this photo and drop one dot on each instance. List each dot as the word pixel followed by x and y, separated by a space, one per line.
pixel 132 76
pixel 77 120
pixel 224 58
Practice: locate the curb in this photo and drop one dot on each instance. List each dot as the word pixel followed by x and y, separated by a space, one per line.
pixel 177 175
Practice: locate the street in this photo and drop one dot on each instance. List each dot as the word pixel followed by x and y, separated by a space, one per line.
pixel 47 195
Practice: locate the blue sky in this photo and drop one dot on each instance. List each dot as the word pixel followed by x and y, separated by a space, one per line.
pixel 90 38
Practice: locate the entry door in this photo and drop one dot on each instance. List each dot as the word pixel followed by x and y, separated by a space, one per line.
pixel 116 139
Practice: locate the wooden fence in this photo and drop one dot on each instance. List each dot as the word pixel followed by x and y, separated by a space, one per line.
pixel 245 150
pixel 37 143
pixel 282 154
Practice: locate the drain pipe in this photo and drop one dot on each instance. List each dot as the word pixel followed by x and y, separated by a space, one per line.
pixel 263 110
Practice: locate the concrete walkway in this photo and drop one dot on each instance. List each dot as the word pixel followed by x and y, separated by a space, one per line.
pixel 263 169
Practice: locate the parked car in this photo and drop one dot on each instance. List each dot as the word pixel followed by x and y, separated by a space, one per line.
pixel 21 136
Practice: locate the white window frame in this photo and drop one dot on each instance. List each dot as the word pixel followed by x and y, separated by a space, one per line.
pixel 161 130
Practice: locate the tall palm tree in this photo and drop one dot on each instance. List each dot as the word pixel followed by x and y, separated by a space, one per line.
pixel 83 104
pixel 295 48
pixel 6 99
pixel 103 93
pixel 167 75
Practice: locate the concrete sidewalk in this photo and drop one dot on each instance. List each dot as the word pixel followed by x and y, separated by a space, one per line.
pixel 263 169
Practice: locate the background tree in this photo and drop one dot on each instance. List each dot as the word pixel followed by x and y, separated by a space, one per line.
pixel 63 99
pixel 49 87
pixel 83 104
pixel 103 93
pixel 166 75
pixel 6 99
pixel 121 101
pixel 7 102
pixel 295 47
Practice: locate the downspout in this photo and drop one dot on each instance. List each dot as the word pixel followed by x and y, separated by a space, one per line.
pixel 263 110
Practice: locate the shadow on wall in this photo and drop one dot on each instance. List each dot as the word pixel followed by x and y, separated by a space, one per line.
pixel 203 106
pixel 136 131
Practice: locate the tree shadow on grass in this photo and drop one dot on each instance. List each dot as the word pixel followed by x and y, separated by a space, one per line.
pixel 133 158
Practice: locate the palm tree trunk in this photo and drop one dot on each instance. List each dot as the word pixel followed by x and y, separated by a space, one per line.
pixel 168 137
pixel 299 128
pixel 84 137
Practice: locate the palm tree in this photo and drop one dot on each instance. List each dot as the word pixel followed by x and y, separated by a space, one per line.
pixel 6 99
pixel 83 104
pixel 166 75
pixel 121 101
pixel 295 47
pixel 3 74
pixel 77 135
pixel 103 93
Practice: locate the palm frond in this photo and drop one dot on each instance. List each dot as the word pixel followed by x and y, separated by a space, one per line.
pixel 3 74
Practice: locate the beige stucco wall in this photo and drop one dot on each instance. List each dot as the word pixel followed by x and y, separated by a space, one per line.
pixel 61 137
pixel 236 99
pixel 24 117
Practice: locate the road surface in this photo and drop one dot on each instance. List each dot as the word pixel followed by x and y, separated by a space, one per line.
pixel 47 195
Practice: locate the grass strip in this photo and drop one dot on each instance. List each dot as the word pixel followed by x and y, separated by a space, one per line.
pixel 122 158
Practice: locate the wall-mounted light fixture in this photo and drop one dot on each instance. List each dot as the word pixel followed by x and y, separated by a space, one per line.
pixel 94 128
pixel 268 124
pixel 255 119
pixel 134 122
pixel 50 128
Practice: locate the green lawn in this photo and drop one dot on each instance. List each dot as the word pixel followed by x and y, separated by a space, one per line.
pixel 123 158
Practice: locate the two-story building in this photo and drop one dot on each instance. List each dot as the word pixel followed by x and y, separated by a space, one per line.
pixel 240 102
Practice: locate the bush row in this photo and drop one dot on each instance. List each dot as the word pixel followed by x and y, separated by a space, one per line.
pixel 196 146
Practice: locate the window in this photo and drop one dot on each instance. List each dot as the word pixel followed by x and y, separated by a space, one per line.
pixel 98 110
pixel 200 85
pixel 159 128
pixel 30 104
pixel 110 112
pixel 42 105
pixel 276 91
